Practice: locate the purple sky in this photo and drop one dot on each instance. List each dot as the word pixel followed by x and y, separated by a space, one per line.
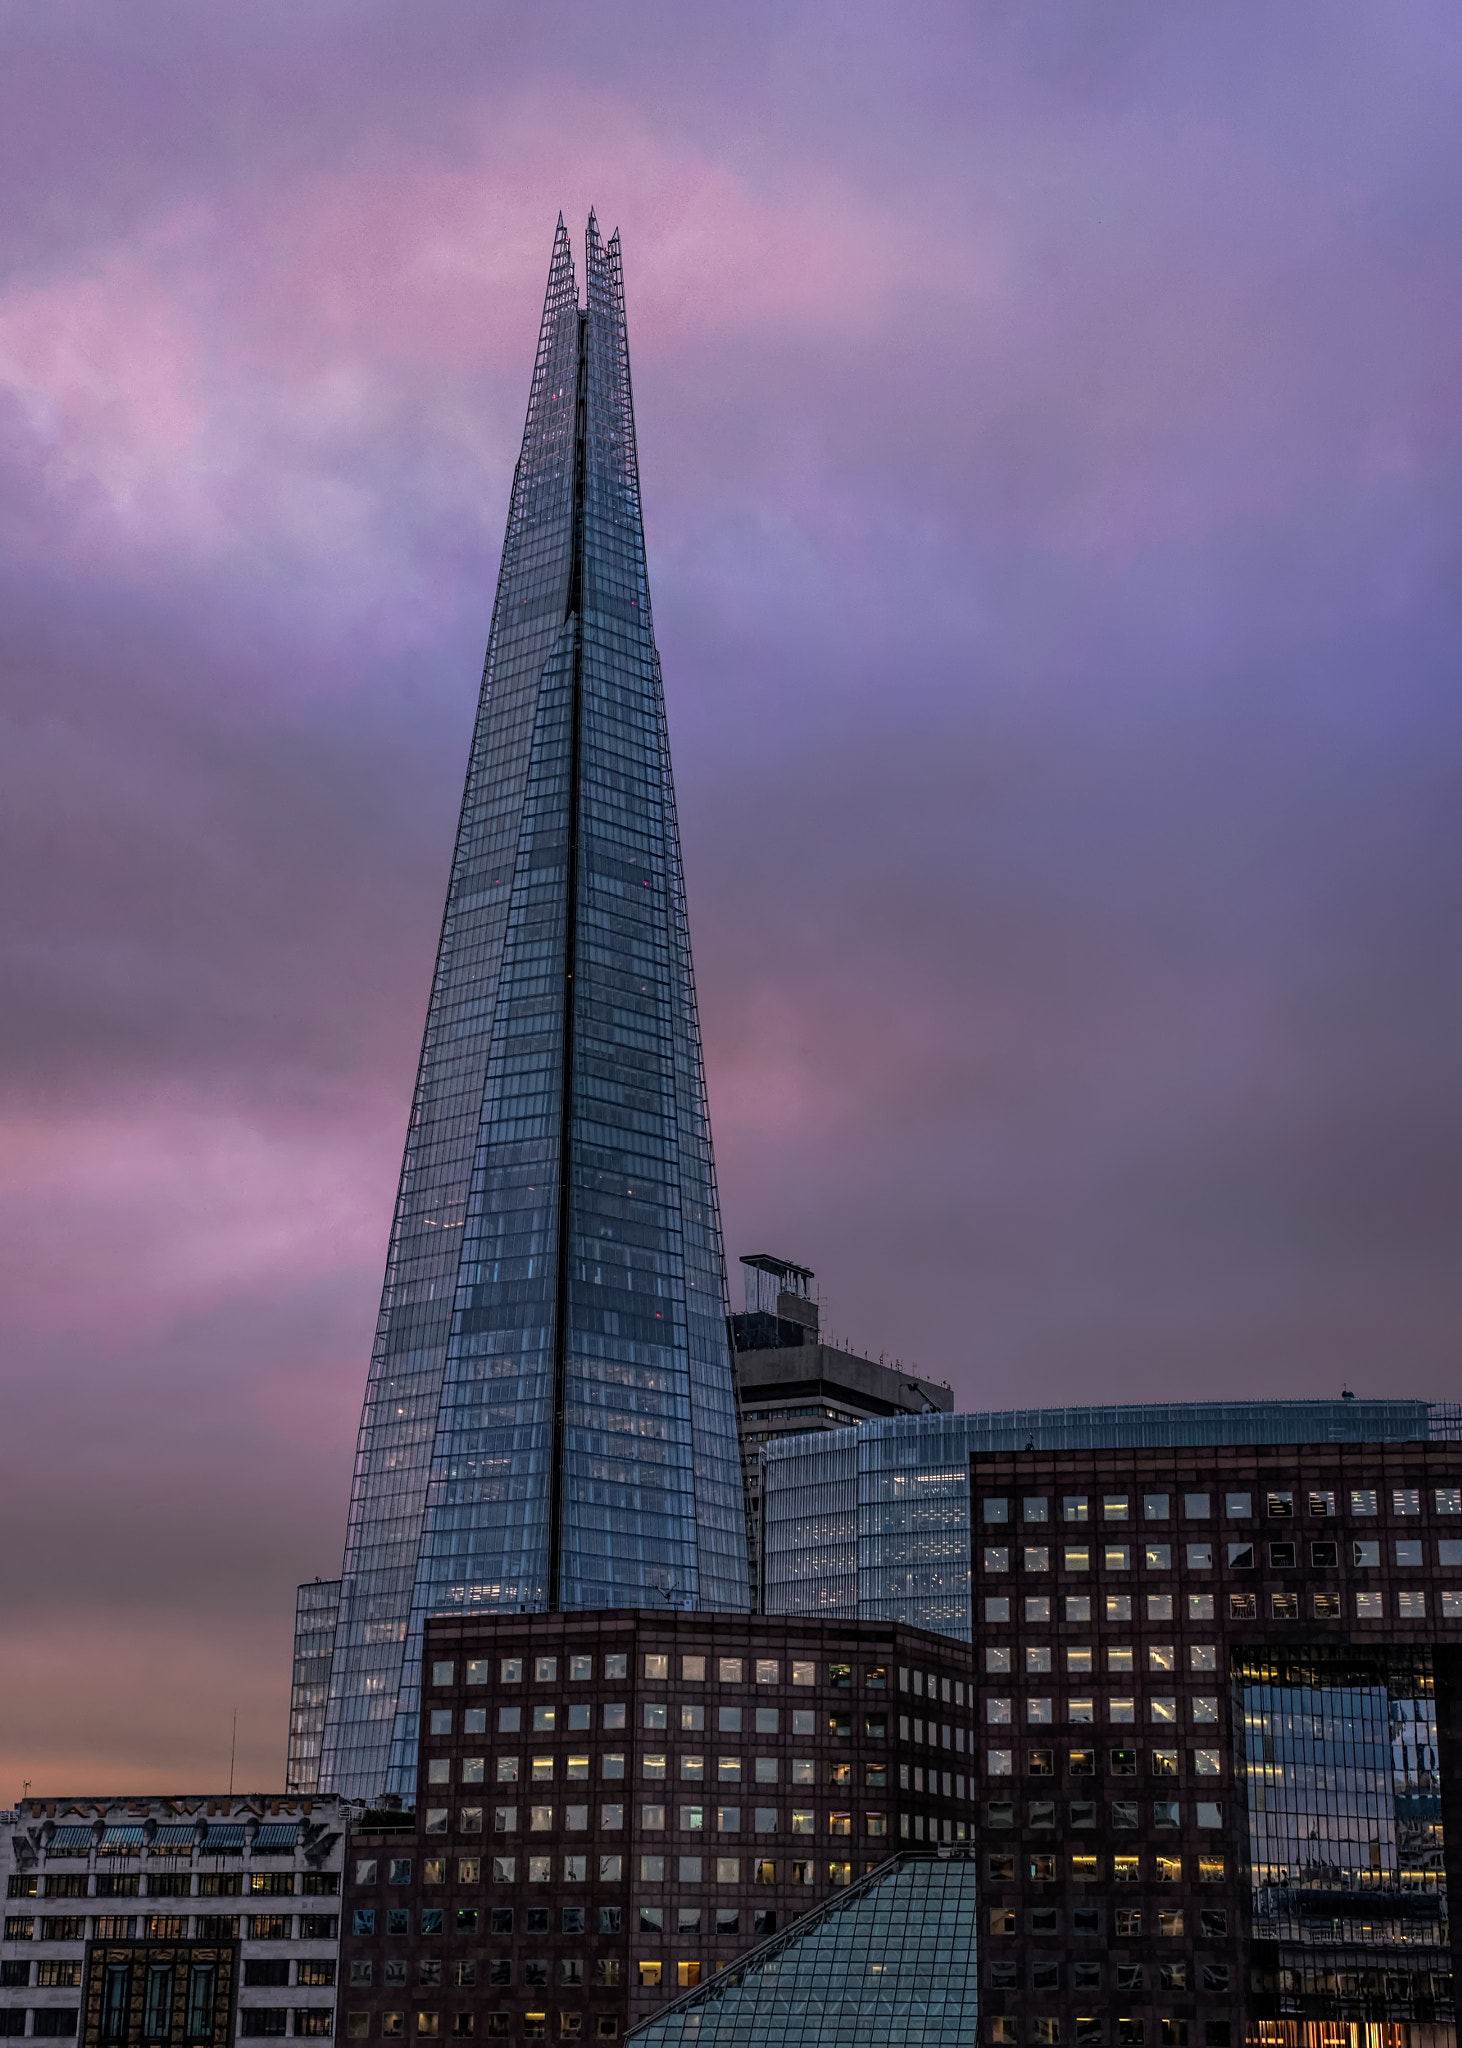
pixel 1049 426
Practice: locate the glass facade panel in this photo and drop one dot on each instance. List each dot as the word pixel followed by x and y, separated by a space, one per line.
pixel 549 1419
pixel 892 1962
pixel 1338 1752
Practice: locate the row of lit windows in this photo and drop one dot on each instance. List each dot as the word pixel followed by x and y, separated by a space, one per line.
pixel 1278 1504
pixel 656 1665
pixel 694 1768
pixel 1086 1867
pixel 1160 1657
pixel 1114 1607
pixel 1241 1556
pixel 551 1719
pixel 727 1819
pixel 1160 1707
pixel 1081 1763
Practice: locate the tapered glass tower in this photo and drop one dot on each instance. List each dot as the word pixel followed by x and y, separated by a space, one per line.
pixel 549 1420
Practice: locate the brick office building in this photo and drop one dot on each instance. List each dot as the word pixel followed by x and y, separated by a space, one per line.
pixel 615 1805
pixel 1220 1714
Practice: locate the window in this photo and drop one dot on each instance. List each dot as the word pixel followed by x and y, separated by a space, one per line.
pixel 1077 1557
pixel 1369 1606
pixel 1037 1657
pixel 270 2021
pixel 997 1558
pixel 998 1762
pixel 1117 1557
pixel 1281 1556
pixel 1449 1553
pixel 1205 1707
pixel 1279 1506
pixel 1363 1500
pixel 1448 1500
pixel 1210 1870
pixel 1200 1557
pixel 1284 1606
pixel 1406 1500
pixel 995 1510
pixel 1164 1763
pixel 1241 1557
pixel 1243 1606
pixel 1078 1657
pixel 1038 1607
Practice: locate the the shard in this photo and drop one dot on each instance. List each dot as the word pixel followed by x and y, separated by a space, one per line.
pixel 549 1421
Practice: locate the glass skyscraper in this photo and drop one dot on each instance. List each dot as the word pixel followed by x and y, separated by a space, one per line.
pixel 549 1420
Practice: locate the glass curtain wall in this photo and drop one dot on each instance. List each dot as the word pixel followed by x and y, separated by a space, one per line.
pixel 549 1420
pixel 1338 1758
pixel 892 1965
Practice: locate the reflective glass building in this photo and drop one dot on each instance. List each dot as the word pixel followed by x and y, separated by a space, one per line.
pixel 549 1420
pixel 875 1521
pixel 891 1965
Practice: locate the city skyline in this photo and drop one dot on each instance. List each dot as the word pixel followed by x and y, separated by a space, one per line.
pixel 1050 446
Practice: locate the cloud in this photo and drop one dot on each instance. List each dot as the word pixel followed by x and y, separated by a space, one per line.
pixel 1049 432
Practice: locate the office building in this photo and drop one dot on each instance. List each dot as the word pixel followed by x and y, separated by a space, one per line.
pixel 549 1422
pixel 790 1383
pixel 1219 1705
pixel 874 1522
pixel 134 1923
pixel 615 1806
pixel 317 1605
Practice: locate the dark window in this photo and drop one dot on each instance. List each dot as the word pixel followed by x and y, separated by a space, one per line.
pixel 12 2019
pixel 398 1920
pixel 537 1922
pixel 1045 1920
pixel 363 1920
pixel 21 1887
pixel 1086 1976
pixel 1124 1763
pixel 502 1919
pixel 318 1926
pixel 201 1980
pixel 728 1920
pixel 1088 2031
pixel 467 1919
pixel 652 1919
pixel 609 1919
pixel 573 1920
pixel 1325 1556
pixel 1216 2034
pixel 1212 1924
pixel 320 1884
pixel 1281 1556
pixel 1086 1920
pixel 500 1970
pixel 1215 1976
pixel 1000 1813
pixel 266 1970
pixel 114 2002
pixel 1042 1763
pixel 431 1919
pixel 1004 1976
pixel 262 2022
pixel 429 1971
pixel 763 1922
pixel 464 1975
pixel 54 2020
pixel 1129 1977
pixel 1045 1976
pixel 1083 1813
pixel 535 1973
pixel 74 1886
pixel 1124 1813
pixel 13 1975
pixel 1241 1557
pixel 1001 1866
